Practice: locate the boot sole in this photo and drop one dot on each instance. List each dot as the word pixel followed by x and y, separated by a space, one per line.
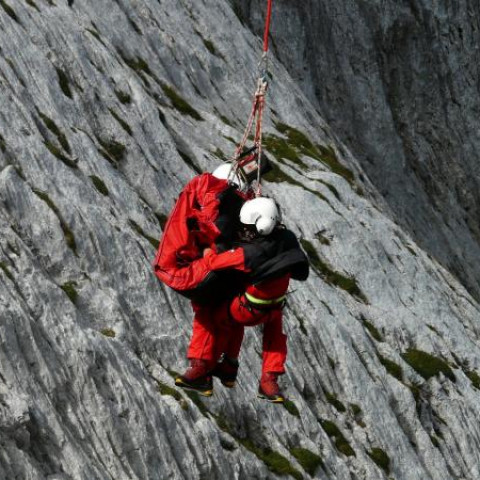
pixel 271 400
pixel 228 384
pixel 186 386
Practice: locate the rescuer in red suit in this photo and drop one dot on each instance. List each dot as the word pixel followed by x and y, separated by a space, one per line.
pixel 271 256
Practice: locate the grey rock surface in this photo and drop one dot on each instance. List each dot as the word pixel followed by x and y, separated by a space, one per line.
pixel 107 109
pixel 398 83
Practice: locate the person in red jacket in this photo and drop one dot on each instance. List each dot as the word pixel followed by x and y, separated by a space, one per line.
pixel 272 255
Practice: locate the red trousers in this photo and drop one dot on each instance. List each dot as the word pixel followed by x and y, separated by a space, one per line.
pixel 220 329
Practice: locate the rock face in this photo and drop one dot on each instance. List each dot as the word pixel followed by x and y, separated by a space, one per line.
pixel 398 82
pixel 107 109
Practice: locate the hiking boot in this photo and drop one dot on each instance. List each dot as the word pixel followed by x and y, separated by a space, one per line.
pixel 269 389
pixel 226 371
pixel 197 377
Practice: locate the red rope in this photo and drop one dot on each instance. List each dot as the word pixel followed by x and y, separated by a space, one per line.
pixel 267 26
pixel 258 105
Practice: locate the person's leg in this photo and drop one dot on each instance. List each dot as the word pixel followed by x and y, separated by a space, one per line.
pixel 204 331
pixel 201 352
pixel 229 342
pixel 274 358
pixel 262 304
pixel 274 344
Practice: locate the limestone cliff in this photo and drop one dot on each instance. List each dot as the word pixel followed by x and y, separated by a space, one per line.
pixel 107 108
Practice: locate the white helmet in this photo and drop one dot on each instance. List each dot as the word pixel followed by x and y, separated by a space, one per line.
pixel 261 212
pixel 224 172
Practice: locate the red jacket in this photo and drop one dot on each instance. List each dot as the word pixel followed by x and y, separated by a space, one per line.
pixel 195 224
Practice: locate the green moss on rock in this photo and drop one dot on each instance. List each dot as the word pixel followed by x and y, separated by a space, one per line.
pixel 6 270
pixel 162 220
pixel 64 82
pixel 291 408
pixel 340 441
pixel 427 365
pixel 330 276
pixel 355 409
pixel 179 103
pixel 333 400
pixel 372 329
pixel 123 97
pixel 56 152
pixel 121 121
pixel 474 378
pixel 68 234
pixel 275 462
pixel 309 461
pixel 99 185
pixel 165 389
pixel 380 458
pixel 70 290
pixel 153 241
pixel 392 368
pixel 52 126
pixel 115 150
pixel 108 332
pixel 9 10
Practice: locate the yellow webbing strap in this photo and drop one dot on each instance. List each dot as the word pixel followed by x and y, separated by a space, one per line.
pixel 262 301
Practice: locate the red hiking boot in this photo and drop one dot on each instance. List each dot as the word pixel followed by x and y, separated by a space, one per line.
pixel 226 371
pixel 197 377
pixel 269 389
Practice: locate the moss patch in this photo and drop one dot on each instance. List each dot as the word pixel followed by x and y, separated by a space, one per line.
pixel 474 378
pixel 69 289
pixel 153 241
pixel 68 234
pixel 297 144
pixel 340 441
pixel 380 458
pixel 308 460
pixel 281 149
pixel 226 121
pixel 56 152
pixel 52 126
pixel 6 270
pixel 99 185
pixel 123 97
pixel 219 153
pixel 190 162
pixel 211 48
pixel 427 365
pixel 32 4
pixel 122 122
pixel 162 220
pixel 372 329
pixel 275 462
pixel 355 409
pixel 277 175
pixel 9 10
pixel 114 150
pixel 330 276
pixel 165 389
pixel 179 103
pixel 329 157
pixel 392 368
pixel 333 400
pixel 64 82
pixel 195 398
pixel 322 238
pixel 291 408
pixel 108 332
